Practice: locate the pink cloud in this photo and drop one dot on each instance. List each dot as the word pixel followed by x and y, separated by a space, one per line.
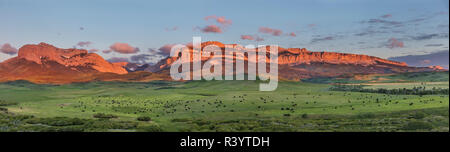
pixel 292 34
pixel 211 29
pixel 219 19
pixel 274 32
pixel 123 48
pixel 247 37
pixel 250 37
pixel 84 43
pixel 394 43
pixel 8 49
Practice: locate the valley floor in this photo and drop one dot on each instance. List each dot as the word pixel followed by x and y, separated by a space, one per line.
pixel 214 106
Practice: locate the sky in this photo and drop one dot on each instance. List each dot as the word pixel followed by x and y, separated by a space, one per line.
pixel 139 30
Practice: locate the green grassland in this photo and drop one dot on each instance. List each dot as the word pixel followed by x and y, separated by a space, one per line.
pixel 218 106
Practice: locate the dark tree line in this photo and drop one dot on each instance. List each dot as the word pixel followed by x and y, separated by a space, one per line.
pixel 400 91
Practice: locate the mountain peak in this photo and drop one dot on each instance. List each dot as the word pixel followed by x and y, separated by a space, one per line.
pixel 67 57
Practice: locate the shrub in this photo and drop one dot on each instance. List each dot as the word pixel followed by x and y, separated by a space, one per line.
pixel 419 115
pixel 57 121
pixel 304 116
pixel 366 116
pixel 181 120
pixel 7 103
pixel 144 118
pixel 150 128
pixel 107 124
pixel 104 116
pixel 418 125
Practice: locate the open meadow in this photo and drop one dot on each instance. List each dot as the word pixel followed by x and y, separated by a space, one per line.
pixel 217 106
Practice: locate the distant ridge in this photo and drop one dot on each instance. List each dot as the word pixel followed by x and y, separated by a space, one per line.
pixel 44 63
pixel 300 63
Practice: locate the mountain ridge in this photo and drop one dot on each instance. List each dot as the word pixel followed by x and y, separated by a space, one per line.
pixel 44 63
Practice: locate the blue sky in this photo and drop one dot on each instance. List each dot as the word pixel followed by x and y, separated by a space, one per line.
pixel 383 28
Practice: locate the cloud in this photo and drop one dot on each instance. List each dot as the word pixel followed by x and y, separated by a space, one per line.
pixel 385 25
pixel 107 51
pixel 443 26
pixel 380 23
pixel 429 36
pixel 312 25
pixel 118 59
pixel 81 28
pixel 380 26
pixel 142 58
pixel 258 39
pixel 394 43
pixel 223 23
pixel 123 48
pixel 172 29
pixel 219 19
pixel 369 32
pixel 431 59
pixel 84 43
pixel 152 51
pixel 92 50
pixel 386 16
pixel 165 50
pixel 434 45
pixel 384 22
pixel 267 30
pixel 212 29
pixel 292 34
pixel 250 37
pixel 247 37
pixel 425 62
pixel 8 49
pixel 320 39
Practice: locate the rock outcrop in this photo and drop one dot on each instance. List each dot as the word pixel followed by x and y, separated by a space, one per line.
pixel 44 63
pixel 68 57
pixel 299 63
pixel 293 56
pixel 297 56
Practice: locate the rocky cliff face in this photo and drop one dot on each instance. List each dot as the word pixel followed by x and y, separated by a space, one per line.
pixel 44 63
pixel 298 56
pixel 68 57
pixel 302 56
pixel 299 63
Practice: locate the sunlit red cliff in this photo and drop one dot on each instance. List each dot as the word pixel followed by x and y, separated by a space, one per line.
pixel 44 63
